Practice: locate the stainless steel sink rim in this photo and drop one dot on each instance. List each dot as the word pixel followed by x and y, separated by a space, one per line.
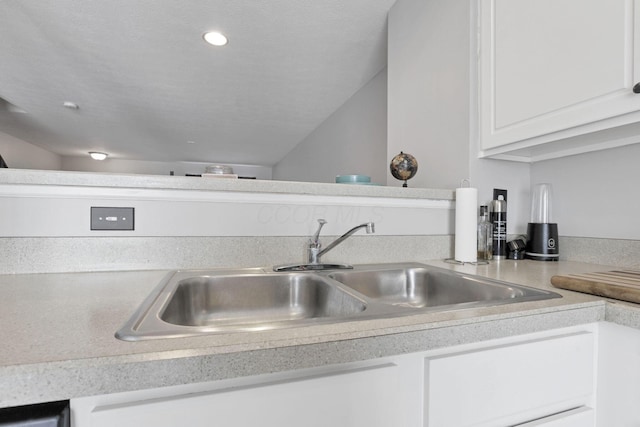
pixel 147 322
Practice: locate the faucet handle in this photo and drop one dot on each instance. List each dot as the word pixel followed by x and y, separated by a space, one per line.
pixel 315 240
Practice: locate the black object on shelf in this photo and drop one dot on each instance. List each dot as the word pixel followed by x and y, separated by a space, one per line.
pixel 3 164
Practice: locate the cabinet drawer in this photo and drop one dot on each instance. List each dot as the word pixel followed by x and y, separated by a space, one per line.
pixel 510 384
pixel 358 398
pixel 579 417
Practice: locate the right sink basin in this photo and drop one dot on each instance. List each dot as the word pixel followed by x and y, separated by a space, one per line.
pixel 427 287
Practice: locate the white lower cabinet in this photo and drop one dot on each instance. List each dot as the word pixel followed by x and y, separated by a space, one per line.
pixel 618 376
pixel 579 417
pixel 510 384
pixel 360 398
pixel 512 381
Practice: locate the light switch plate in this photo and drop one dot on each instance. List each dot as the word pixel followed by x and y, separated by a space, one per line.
pixel 110 218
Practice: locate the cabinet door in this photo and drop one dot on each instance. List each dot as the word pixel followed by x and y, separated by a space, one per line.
pixel 579 417
pixel 510 384
pixel 552 65
pixel 359 398
pixel 618 374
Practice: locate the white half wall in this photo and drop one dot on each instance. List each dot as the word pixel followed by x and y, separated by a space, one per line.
pixel 351 141
pixel 46 228
pixel 64 211
pixel 19 154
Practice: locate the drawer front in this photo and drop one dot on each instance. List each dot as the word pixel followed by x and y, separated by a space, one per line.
pixel 511 384
pixel 579 417
pixel 359 398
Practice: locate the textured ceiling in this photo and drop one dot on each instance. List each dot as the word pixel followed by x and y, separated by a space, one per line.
pixel 146 83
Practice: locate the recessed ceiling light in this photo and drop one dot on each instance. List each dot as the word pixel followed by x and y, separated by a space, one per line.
pixel 95 155
pixel 191 142
pixel 70 105
pixel 215 38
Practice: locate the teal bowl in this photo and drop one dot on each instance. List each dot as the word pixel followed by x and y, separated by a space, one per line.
pixel 353 179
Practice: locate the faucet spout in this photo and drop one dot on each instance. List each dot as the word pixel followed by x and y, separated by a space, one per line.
pixel 369 226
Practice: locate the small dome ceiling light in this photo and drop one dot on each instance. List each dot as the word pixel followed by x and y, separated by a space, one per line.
pixel 96 155
pixel 215 38
pixel 70 105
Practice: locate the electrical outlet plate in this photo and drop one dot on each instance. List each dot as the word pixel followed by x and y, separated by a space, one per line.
pixel 111 218
pixel 498 192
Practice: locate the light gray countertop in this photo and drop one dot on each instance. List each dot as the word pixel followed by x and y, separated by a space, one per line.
pixel 116 180
pixel 58 333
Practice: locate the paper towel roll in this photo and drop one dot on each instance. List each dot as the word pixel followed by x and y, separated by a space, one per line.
pixel 466 237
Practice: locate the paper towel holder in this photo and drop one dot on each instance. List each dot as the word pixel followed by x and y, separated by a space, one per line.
pixel 465 225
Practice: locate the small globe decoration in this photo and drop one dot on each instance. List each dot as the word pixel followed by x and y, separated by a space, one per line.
pixel 403 167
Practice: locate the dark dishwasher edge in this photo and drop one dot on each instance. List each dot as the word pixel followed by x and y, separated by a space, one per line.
pixel 57 414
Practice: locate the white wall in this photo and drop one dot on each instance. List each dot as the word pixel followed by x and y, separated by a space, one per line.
pixel 595 194
pixel 20 154
pixel 351 141
pixel 431 99
pixel 514 177
pixel 428 113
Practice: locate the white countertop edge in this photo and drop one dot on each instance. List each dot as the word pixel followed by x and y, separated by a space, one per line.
pixel 113 180
pixel 63 380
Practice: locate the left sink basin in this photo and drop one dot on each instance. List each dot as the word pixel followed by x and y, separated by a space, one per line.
pixel 188 305
pixel 264 299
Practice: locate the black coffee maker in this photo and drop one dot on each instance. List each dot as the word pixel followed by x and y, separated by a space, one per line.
pixel 542 244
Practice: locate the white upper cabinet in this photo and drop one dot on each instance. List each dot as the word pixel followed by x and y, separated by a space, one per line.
pixel 556 77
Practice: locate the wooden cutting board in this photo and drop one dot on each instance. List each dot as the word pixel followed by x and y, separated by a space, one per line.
pixel 619 284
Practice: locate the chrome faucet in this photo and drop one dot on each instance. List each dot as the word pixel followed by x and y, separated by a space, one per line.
pixel 313 250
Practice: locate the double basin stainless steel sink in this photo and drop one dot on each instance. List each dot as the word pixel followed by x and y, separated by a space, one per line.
pixel 191 303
